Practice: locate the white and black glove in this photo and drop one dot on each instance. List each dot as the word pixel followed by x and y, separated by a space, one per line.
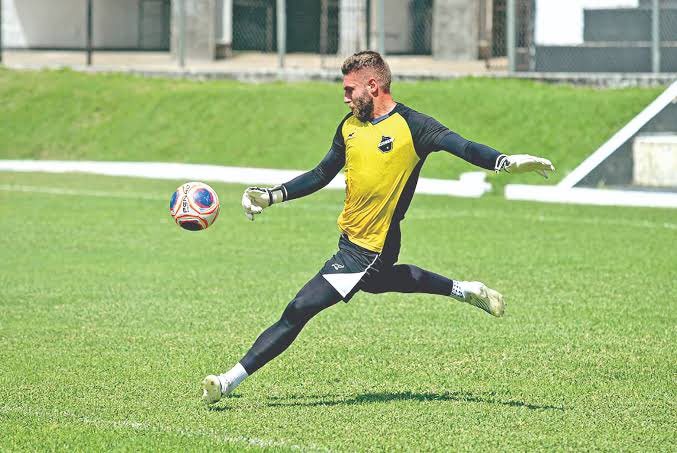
pixel 256 199
pixel 522 163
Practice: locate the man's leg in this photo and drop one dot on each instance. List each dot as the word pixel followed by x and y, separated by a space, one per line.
pixel 406 278
pixel 314 297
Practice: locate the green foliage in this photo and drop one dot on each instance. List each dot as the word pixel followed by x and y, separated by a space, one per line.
pixel 67 115
pixel 111 316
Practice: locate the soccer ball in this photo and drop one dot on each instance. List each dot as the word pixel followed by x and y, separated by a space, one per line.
pixel 194 206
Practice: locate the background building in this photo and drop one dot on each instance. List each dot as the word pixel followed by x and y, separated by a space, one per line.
pixel 627 36
pixel 119 24
pixel 445 29
pixel 604 36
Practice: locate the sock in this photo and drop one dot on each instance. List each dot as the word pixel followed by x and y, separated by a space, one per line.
pixel 457 292
pixel 232 378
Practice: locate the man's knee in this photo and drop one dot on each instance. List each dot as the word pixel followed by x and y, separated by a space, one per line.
pixel 306 304
pixel 415 274
pixel 314 297
pixel 295 313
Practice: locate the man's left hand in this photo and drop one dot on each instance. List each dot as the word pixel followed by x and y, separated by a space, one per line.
pixel 522 163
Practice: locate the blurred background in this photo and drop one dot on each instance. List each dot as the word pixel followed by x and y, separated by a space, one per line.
pixel 434 37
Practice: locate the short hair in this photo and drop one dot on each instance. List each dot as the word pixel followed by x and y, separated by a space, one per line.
pixel 371 60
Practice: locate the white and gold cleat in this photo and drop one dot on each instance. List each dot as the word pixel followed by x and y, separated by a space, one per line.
pixel 481 296
pixel 212 389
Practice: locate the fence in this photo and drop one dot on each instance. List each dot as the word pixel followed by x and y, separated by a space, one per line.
pixel 331 27
pixel 335 28
pixel 210 29
pixel 608 36
pixel 440 36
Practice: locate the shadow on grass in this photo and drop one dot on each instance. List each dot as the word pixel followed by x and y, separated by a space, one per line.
pixel 461 397
pixel 220 408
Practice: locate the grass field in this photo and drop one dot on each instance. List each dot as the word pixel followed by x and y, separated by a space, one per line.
pixel 110 316
pixel 67 115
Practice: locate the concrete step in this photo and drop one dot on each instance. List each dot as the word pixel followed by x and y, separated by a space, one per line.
pixel 627 25
pixel 655 161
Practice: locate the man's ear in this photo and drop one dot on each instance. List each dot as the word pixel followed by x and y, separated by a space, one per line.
pixel 373 86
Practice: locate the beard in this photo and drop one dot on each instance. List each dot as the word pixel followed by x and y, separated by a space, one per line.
pixel 364 108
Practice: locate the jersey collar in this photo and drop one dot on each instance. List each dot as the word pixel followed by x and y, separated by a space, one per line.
pixel 383 117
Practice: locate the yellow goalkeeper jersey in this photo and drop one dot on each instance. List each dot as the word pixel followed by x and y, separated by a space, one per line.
pixel 382 159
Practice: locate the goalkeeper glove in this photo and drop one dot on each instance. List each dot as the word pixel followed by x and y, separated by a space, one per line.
pixel 255 199
pixel 522 163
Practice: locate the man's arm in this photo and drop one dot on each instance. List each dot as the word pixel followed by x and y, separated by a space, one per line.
pixel 317 178
pixel 433 136
pixel 255 199
pixel 476 153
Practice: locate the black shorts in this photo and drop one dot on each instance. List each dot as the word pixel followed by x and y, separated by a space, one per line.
pixel 353 267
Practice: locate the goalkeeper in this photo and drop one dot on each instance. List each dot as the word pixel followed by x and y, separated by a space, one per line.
pixel 381 145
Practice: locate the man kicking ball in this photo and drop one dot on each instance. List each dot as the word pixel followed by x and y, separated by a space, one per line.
pixel 381 145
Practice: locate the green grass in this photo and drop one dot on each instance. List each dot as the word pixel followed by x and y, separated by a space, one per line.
pixel 67 115
pixel 110 316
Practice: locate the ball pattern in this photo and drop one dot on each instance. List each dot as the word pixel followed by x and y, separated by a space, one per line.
pixel 194 206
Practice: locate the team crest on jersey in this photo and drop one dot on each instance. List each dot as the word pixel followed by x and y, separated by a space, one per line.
pixel 386 144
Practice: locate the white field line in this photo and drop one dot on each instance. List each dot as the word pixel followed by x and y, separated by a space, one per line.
pixel 79 193
pixel 415 215
pixel 590 196
pixel 139 426
pixel 470 184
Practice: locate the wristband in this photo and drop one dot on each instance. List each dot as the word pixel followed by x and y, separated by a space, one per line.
pixel 277 194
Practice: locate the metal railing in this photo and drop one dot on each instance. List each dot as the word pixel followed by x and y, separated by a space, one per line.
pixel 625 36
pixel 540 36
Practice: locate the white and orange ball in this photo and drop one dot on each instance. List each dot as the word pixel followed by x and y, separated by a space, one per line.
pixel 194 206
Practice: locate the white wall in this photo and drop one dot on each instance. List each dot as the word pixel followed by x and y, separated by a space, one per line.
pixel 116 23
pixel 62 23
pixel 352 33
pixel 560 22
pixel 398 24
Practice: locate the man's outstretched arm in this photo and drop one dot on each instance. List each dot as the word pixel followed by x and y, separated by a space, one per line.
pixel 255 199
pixel 317 178
pixel 431 135
pixel 486 157
pixel 476 153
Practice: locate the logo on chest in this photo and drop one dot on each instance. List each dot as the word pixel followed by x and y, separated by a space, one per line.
pixel 386 144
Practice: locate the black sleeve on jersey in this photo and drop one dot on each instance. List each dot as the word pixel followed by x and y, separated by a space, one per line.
pixel 320 176
pixel 430 135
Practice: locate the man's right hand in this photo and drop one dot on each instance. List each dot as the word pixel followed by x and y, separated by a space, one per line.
pixel 256 199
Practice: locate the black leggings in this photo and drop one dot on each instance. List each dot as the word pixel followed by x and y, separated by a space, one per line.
pixel 318 294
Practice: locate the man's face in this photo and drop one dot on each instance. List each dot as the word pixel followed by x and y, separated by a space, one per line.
pixel 357 96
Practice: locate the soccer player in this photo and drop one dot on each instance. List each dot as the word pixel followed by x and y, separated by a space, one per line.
pixel 381 145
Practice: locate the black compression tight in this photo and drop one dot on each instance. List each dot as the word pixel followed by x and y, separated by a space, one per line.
pixel 314 297
pixel 407 278
pixel 318 294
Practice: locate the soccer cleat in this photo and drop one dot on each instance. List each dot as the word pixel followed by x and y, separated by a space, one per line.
pixel 481 296
pixel 212 390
